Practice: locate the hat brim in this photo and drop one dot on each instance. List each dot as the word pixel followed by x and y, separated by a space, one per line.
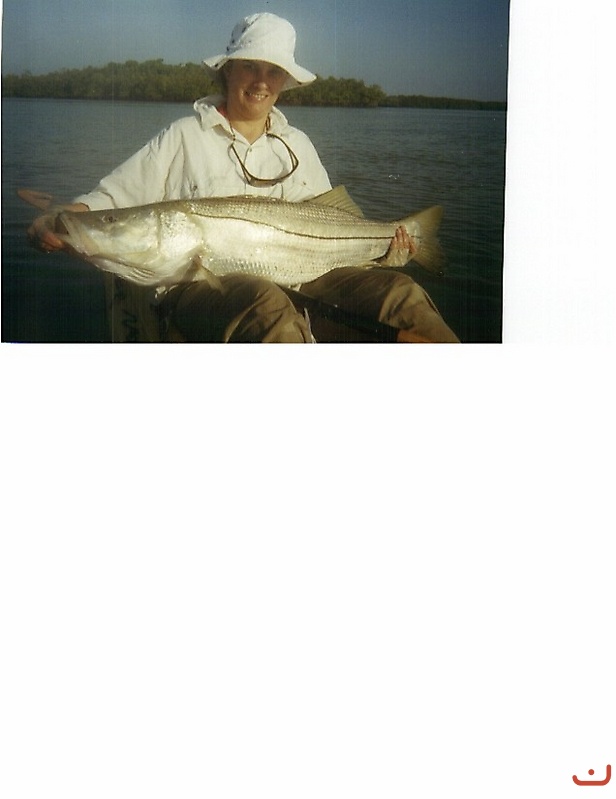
pixel 298 76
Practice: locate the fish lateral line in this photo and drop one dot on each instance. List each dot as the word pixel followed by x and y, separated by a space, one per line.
pixel 281 229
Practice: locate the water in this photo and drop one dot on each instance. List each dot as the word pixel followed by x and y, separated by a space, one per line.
pixel 392 161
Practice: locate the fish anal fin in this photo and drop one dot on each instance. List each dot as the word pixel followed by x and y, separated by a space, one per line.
pixel 338 198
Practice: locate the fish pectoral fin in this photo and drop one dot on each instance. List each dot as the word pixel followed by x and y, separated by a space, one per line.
pixel 197 272
pixel 338 198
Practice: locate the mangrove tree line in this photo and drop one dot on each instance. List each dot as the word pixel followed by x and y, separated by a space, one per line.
pixel 156 81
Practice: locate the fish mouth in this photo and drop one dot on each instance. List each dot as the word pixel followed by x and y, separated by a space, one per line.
pixel 73 233
pixel 60 226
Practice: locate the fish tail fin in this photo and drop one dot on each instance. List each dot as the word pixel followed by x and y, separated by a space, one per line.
pixel 430 254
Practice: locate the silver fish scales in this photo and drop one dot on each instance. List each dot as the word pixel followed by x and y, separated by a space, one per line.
pixel 288 243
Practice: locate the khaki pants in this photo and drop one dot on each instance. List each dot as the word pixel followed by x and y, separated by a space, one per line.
pixel 240 308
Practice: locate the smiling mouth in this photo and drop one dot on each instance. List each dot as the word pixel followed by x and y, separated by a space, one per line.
pixel 256 95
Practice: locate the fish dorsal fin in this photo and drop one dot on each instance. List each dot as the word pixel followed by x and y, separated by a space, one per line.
pixel 338 198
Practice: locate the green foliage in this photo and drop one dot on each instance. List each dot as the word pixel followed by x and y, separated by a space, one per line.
pixel 341 92
pixel 156 81
pixel 148 80
pixel 420 101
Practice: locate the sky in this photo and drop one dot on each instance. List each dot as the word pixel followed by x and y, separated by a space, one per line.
pixel 444 48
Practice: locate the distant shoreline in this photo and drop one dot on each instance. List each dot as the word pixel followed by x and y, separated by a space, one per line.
pixel 428 103
pixel 155 81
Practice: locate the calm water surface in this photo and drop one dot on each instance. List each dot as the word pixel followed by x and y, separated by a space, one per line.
pixel 392 161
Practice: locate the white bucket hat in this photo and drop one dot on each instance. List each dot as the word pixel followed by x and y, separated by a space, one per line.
pixel 264 37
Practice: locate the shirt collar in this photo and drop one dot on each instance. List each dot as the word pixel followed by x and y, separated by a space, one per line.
pixel 207 110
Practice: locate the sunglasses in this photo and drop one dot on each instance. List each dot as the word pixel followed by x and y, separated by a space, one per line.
pixel 253 180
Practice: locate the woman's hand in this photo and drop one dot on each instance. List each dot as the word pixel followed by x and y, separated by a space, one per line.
pixel 401 249
pixel 41 233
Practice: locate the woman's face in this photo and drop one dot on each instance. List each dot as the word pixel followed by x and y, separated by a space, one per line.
pixel 252 87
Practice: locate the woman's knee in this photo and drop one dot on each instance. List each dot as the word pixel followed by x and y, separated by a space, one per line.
pixel 238 308
pixel 408 306
pixel 267 314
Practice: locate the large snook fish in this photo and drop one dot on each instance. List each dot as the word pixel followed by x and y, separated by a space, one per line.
pixel 288 243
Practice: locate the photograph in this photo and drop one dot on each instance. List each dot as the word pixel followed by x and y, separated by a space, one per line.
pixel 362 572
pixel 380 134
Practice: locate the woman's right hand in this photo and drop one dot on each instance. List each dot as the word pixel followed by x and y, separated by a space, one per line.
pixel 41 233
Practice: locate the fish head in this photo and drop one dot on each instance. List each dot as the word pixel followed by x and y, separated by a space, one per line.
pixel 114 233
pixel 145 244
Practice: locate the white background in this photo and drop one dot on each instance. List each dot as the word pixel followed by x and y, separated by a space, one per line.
pixel 330 572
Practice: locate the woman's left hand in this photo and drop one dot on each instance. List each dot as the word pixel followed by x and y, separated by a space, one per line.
pixel 401 249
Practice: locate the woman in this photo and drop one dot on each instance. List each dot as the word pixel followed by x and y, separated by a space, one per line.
pixel 240 143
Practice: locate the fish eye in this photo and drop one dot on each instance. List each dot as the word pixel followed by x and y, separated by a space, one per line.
pixel 109 218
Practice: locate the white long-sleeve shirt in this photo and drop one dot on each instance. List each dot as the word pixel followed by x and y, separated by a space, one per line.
pixel 193 158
